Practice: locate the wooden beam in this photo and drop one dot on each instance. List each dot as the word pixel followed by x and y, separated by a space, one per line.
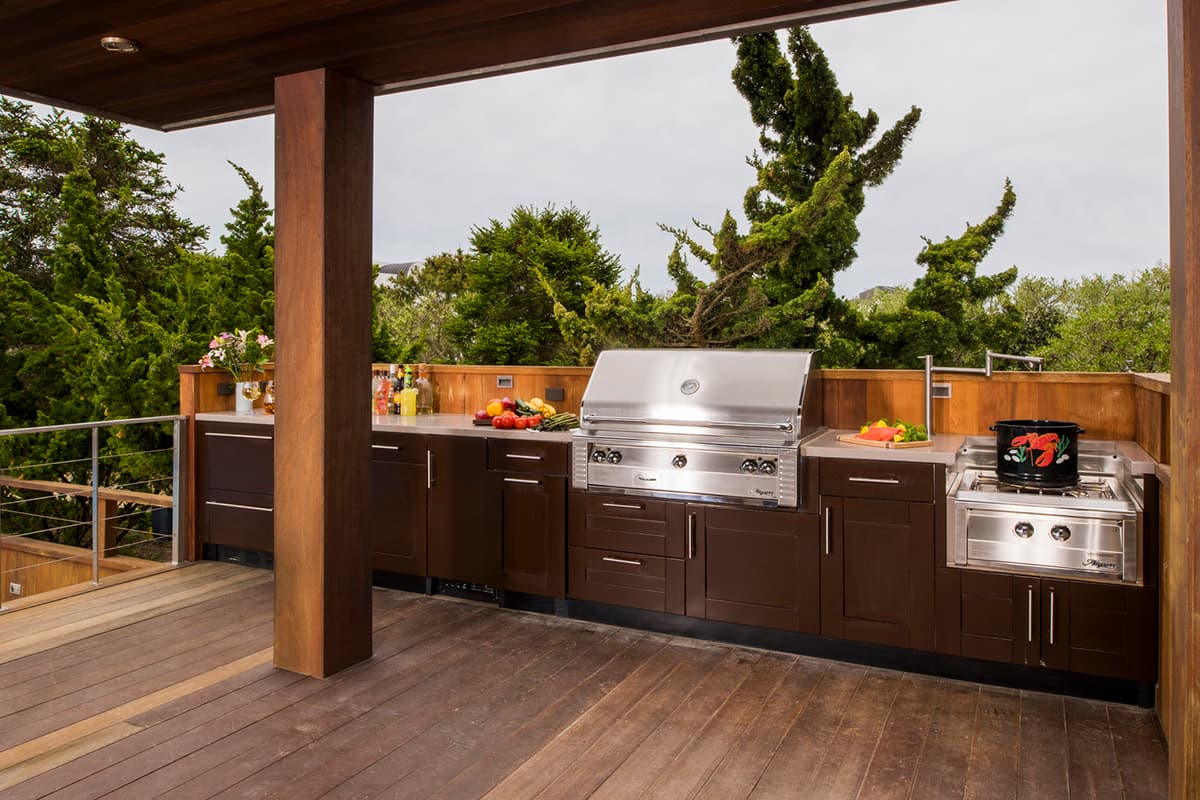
pixel 1181 598
pixel 323 161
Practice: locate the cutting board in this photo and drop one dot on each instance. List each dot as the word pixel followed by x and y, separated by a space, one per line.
pixel 852 438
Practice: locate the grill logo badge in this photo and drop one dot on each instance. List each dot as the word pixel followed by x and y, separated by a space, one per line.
pixel 1097 563
pixel 763 492
pixel 690 386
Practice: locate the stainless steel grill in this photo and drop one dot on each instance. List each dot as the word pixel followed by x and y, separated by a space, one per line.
pixel 716 425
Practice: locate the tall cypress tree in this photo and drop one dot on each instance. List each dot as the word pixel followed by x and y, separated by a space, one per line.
pixel 805 122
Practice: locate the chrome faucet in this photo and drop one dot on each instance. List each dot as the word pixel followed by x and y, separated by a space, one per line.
pixel 985 370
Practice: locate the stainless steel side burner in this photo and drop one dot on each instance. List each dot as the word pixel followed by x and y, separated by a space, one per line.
pixel 1091 529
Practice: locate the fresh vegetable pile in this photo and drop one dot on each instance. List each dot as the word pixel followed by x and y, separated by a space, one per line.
pixel 536 414
pixel 899 431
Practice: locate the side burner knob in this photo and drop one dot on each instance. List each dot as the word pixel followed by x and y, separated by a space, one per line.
pixel 599 456
pixel 1023 529
pixel 766 467
pixel 614 457
pixel 679 461
pixel 749 466
pixel 1060 533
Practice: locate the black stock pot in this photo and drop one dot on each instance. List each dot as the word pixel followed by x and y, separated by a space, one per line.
pixel 1037 452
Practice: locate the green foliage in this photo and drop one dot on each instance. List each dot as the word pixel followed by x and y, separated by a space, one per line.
pixel 806 123
pixel 412 310
pixel 733 308
pixel 945 314
pixel 104 292
pixel 515 276
pixel 1115 323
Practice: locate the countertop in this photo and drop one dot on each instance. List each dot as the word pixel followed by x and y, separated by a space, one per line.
pixel 825 445
pixel 437 424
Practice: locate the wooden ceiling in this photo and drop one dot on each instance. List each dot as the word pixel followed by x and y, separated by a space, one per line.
pixel 203 62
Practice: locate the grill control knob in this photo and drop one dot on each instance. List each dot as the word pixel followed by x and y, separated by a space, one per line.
pixel 1023 529
pixel 749 466
pixel 1060 533
pixel 599 456
pixel 679 461
pixel 614 457
pixel 766 467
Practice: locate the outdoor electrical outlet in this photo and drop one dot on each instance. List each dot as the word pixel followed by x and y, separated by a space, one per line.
pixel 504 381
pixel 940 390
pixel 15 588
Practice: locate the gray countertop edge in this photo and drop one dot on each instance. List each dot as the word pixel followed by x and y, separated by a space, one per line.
pixel 437 424
pixel 825 445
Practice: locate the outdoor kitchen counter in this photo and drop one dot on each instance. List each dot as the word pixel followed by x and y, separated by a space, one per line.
pixel 825 445
pixel 437 424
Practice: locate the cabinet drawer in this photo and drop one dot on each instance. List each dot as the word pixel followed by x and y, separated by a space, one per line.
pixel 518 455
pixel 627 523
pixel 401 448
pixel 238 458
pixel 240 521
pixel 878 479
pixel 626 579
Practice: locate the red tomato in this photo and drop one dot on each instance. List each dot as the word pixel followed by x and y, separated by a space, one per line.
pixel 497 422
pixel 535 420
pixel 520 423
pixel 507 422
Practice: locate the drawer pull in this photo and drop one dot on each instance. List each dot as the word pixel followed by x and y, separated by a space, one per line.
pixel 521 457
pixel 691 535
pixel 633 562
pixel 890 481
pixel 1029 615
pixel 631 506
pixel 237 505
pixel 1051 615
pixel 527 481
pixel 385 447
pixel 827 530
pixel 239 435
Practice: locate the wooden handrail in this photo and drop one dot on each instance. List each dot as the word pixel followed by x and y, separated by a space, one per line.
pixel 81 489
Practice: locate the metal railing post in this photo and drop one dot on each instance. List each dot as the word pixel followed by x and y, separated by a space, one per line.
pixel 95 505
pixel 176 490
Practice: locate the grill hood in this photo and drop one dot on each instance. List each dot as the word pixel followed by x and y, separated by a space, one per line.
pixel 764 397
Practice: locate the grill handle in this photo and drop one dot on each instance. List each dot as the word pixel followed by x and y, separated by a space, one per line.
pixel 786 427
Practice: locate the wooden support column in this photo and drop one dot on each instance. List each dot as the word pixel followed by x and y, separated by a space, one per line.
pixel 323 164
pixel 1181 598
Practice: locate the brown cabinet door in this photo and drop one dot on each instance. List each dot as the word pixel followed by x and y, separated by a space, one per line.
pixel 463 524
pixel 397 516
pixel 237 520
pixel 533 533
pixel 1054 631
pixel 755 567
pixel 237 457
pixel 878 480
pixel 877 571
pixel 992 622
pixel 1112 630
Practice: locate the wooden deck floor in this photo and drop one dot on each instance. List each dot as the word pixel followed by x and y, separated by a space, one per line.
pixel 164 687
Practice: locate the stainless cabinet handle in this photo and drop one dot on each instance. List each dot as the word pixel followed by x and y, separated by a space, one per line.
pixel 633 562
pixel 428 469
pixel 691 536
pixel 1051 615
pixel 237 505
pixel 238 435
pixel 892 481
pixel 1029 614
pixel 522 457
pixel 827 526
pixel 385 447
pixel 633 506
pixel 523 480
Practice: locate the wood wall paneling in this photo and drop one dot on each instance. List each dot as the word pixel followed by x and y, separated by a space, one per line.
pixel 323 163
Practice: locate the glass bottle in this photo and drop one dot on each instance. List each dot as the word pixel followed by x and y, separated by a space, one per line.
pixel 269 398
pixel 424 391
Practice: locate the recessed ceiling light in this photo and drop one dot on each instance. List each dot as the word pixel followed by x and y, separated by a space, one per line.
pixel 119 44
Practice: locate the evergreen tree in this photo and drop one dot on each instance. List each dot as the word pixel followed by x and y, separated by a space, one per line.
pixel 806 122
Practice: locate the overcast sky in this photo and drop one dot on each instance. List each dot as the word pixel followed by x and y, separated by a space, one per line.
pixel 1066 97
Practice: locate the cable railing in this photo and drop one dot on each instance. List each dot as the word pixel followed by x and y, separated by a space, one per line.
pixel 86 501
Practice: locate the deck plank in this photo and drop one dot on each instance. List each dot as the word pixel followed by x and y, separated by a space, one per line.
pixel 849 754
pixel 893 766
pixel 1043 751
pixel 942 768
pixel 1092 756
pixel 995 756
pixel 1141 752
